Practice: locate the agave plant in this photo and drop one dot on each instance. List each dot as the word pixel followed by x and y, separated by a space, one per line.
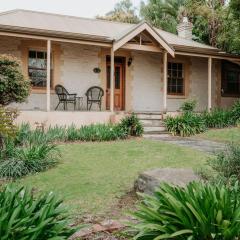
pixel 198 212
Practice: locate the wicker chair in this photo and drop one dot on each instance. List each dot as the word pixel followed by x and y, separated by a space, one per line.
pixel 94 95
pixel 65 97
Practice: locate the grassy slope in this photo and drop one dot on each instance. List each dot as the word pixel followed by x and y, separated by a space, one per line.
pixel 92 176
pixel 222 135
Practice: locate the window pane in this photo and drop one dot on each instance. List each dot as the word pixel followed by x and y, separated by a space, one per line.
pixel 117 77
pixel 108 76
pixel 179 66
pixel 179 89
pixel 174 73
pixel 38 77
pixel 174 65
pixel 40 55
pixel 32 54
pixel 180 74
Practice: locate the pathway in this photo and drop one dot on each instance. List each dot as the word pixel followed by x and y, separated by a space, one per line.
pixel 195 143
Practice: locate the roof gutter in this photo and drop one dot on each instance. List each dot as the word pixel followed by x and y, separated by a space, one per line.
pixel 216 55
pixel 54 35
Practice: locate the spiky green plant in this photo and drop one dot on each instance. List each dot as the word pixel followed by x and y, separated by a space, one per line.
pixel 185 125
pixel 199 211
pixel 132 125
pixel 17 161
pixel 24 217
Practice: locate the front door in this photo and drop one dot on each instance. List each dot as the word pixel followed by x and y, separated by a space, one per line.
pixel 119 86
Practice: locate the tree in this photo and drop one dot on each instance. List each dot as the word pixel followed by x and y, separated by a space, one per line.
pixel 13 86
pixel 207 18
pixel 164 14
pixel 124 11
pixel 229 36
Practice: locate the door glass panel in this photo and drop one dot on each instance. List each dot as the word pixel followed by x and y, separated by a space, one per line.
pixel 117 77
pixel 108 76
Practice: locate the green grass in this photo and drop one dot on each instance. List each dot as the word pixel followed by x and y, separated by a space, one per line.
pixel 93 176
pixel 226 135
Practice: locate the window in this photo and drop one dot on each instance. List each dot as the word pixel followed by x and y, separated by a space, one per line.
pixel 37 68
pixel 175 79
pixel 230 79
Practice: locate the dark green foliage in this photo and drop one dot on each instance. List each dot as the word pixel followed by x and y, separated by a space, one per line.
pixel 163 14
pixel 24 217
pixel 185 125
pixel 190 123
pixel 131 125
pixel 27 153
pixel 199 211
pixel 98 132
pixel 218 118
pixel 13 86
pixel 32 157
pixel 227 163
pixel 189 106
pixel 235 111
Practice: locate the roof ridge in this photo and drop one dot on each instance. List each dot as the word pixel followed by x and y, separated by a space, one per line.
pixel 9 11
pixel 63 15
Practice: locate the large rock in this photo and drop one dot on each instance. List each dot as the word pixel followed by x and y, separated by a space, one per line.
pixel 149 180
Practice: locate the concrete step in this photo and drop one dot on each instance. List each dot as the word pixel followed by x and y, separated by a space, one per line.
pixel 149 115
pixel 154 129
pixel 152 122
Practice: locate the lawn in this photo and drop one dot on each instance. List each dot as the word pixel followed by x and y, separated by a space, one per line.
pixel 93 176
pixel 222 135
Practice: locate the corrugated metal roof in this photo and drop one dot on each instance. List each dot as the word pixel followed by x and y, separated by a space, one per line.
pixel 77 25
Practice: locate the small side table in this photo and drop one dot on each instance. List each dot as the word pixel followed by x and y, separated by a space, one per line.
pixel 79 103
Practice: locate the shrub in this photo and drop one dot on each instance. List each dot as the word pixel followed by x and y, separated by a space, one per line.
pixel 24 217
pixel 199 211
pixel 227 163
pixel 7 126
pixel 18 161
pixel 235 111
pixel 218 118
pixel 185 125
pixel 13 86
pixel 189 106
pixel 132 125
pixel 100 132
pixel 93 132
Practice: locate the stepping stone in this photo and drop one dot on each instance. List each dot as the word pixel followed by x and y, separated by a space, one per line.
pixel 149 180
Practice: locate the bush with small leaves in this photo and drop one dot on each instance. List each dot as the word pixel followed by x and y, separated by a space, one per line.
pixel 189 106
pixel 13 85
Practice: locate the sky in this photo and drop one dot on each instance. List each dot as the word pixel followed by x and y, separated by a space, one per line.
pixel 82 8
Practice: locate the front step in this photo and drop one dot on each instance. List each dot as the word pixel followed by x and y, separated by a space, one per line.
pixel 152 122
pixel 149 115
pixel 154 130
